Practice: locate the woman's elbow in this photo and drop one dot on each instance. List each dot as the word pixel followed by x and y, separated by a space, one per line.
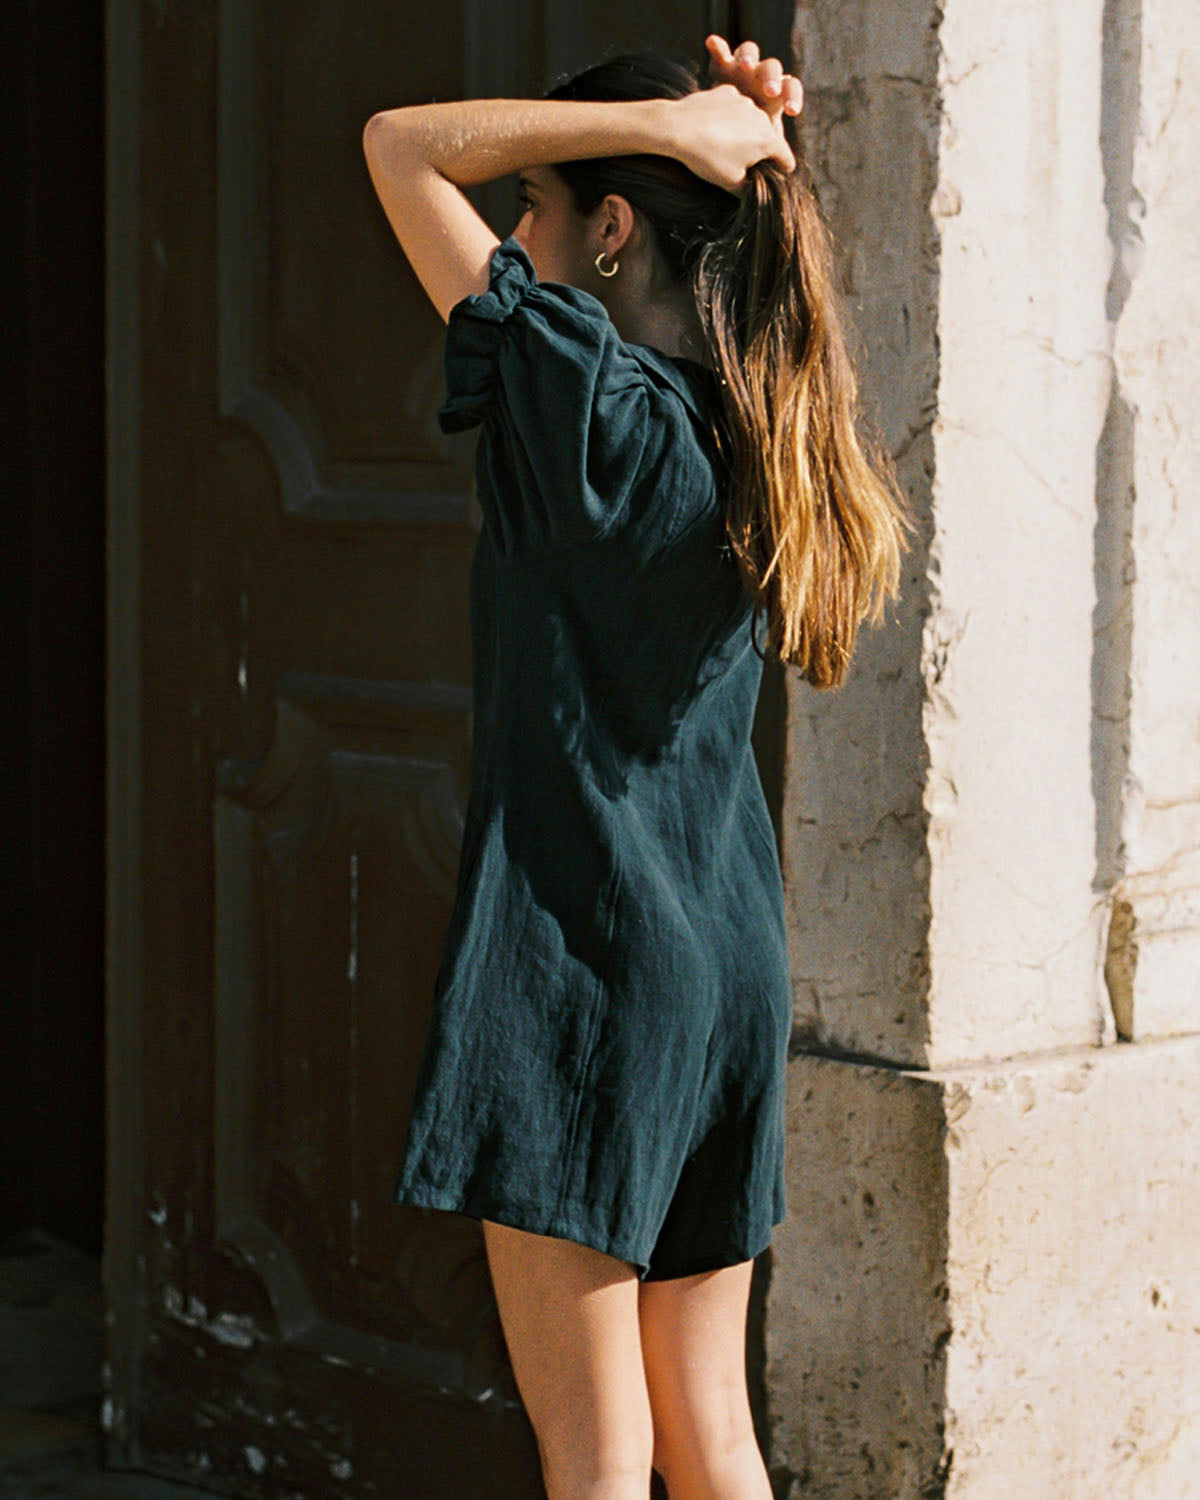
pixel 385 135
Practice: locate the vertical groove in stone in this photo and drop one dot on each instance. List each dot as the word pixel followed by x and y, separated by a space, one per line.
pixel 1115 498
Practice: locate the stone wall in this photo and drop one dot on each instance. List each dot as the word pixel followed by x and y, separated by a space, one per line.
pixel 989 1281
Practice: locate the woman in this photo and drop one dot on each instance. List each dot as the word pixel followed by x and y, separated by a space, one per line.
pixel 668 446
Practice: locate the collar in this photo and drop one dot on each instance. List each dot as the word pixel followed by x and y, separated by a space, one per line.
pixel 693 381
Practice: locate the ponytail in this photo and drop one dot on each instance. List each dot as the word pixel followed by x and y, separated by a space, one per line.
pixel 815 512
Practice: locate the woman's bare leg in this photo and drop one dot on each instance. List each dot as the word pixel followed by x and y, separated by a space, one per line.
pixel 694 1353
pixel 570 1320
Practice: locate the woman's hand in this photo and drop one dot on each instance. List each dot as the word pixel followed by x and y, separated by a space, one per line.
pixel 760 79
pixel 719 133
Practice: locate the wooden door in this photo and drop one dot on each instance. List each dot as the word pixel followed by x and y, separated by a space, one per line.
pixel 289 711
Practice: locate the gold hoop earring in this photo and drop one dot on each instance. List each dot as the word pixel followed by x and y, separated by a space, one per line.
pixel 601 269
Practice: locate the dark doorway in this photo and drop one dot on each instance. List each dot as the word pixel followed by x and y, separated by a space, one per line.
pixel 52 622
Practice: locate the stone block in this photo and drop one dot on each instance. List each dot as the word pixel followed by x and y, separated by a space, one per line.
pixel 989 1280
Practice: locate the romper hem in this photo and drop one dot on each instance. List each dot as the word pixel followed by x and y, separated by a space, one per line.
pixel 535 1219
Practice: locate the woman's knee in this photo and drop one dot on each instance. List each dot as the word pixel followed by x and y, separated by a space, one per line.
pixel 738 1470
pixel 594 1458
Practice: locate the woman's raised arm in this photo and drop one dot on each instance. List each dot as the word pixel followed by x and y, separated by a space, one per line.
pixel 421 156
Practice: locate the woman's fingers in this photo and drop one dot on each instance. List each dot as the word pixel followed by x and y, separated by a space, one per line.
pixel 760 78
pixel 793 94
pixel 718 47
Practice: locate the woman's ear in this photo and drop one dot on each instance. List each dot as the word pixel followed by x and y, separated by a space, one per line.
pixel 619 225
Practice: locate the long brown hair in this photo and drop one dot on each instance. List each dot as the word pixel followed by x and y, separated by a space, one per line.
pixel 815 512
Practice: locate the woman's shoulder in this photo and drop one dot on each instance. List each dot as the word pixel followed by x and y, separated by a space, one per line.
pixel 584 415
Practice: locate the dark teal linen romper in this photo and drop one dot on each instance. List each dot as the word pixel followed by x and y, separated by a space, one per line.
pixel 605 1056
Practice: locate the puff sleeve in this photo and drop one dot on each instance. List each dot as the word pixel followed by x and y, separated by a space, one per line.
pixel 565 405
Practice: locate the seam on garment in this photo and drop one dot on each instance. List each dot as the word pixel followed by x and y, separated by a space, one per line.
pixel 589 1048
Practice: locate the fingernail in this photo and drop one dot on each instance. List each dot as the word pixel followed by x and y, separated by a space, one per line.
pixel 772 86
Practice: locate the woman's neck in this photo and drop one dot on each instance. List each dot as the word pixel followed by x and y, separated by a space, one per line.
pixel 667 321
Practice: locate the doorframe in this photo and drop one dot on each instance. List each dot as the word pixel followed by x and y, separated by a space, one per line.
pixel 122 1263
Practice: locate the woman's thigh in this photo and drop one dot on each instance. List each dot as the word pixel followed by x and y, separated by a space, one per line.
pixel 570 1320
pixel 694 1357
